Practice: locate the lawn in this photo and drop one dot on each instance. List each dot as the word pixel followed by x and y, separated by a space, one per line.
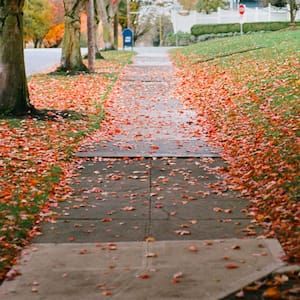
pixel 246 90
pixel 36 155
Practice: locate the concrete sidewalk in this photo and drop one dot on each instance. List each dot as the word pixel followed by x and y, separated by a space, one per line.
pixel 150 217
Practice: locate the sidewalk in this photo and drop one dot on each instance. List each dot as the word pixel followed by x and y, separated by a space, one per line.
pixel 149 219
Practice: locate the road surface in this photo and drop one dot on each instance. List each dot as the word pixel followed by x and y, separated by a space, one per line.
pixel 43 60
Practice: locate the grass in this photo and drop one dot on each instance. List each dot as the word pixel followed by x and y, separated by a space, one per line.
pixel 37 155
pixel 254 43
pixel 247 90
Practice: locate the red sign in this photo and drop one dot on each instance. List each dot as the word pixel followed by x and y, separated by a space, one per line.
pixel 242 9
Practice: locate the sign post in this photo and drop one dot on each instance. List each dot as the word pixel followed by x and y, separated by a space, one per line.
pixel 127 38
pixel 242 9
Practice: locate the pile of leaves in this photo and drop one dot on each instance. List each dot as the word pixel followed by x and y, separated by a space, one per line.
pixel 285 286
pixel 246 91
pixel 36 155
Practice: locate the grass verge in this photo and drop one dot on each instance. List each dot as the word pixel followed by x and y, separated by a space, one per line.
pixel 246 90
pixel 37 155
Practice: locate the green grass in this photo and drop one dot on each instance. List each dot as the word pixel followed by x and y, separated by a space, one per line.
pixel 254 43
pixel 252 113
pixel 27 190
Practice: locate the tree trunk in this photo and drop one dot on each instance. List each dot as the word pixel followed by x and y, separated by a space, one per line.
pixel 116 31
pixel 91 34
pixel 104 11
pixel 71 59
pixel 293 10
pixel 14 97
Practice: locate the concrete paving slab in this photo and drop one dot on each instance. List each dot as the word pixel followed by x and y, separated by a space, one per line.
pixel 96 250
pixel 148 73
pixel 151 148
pixel 139 270
pixel 85 231
pixel 198 229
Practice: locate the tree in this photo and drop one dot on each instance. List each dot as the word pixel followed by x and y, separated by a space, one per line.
pixel 293 10
pixel 278 3
pixel 107 9
pixel 208 6
pixel 91 34
pixel 55 34
pixel 133 17
pixel 293 6
pixel 37 20
pixel 14 96
pixel 71 59
pixel 187 4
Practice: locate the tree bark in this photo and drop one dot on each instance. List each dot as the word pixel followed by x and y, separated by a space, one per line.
pixel 293 10
pixel 14 96
pixel 105 11
pixel 116 31
pixel 91 34
pixel 71 59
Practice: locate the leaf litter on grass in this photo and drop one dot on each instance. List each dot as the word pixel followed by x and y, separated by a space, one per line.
pixel 36 162
pixel 248 104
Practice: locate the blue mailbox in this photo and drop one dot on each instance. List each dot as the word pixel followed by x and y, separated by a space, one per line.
pixel 127 38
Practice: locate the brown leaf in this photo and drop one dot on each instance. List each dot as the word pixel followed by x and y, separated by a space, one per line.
pixel 151 255
pixel 272 293
pixel 106 220
pixel 150 239
pixel 217 209
pixel 128 208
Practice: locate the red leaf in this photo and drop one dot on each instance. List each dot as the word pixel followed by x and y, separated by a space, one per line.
pixel 231 266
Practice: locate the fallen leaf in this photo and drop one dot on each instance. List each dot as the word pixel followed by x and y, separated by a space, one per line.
pixel 182 232
pixel 83 251
pixel 150 239
pixel 217 209
pixel 272 293
pixel 240 294
pixel 106 220
pixel 112 246
pixel 128 208
pixel 193 248
pixel 236 247
pixel 154 147
pixel 107 293
pixel 151 255
pixel 175 280
pixel 231 266
pixel 178 275
pixel 144 276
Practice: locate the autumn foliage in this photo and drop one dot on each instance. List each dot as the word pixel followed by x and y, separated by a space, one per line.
pixel 246 91
pixel 56 32
pixel 36 155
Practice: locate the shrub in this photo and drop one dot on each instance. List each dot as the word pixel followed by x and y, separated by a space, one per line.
pixel 200 29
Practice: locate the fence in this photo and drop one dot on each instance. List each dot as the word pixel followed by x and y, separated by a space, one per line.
pixel 183 23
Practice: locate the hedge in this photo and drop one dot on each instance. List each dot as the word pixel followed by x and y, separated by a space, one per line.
pixel 201 29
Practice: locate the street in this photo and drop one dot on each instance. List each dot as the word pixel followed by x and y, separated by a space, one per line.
pixel 43 60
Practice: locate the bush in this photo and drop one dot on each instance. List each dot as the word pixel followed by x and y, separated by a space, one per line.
pixel 201 29
pixel 179 39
